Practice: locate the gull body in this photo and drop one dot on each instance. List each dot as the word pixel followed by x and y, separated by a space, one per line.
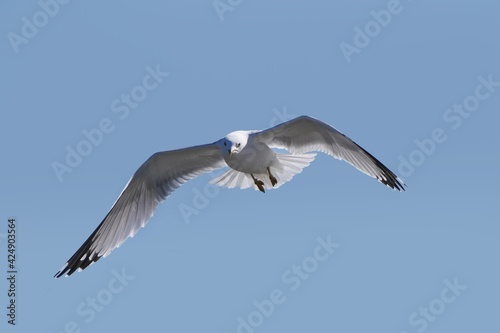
pixel 250 161
pixel 246 154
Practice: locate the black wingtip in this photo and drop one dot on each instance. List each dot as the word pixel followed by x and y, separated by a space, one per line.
pixel 85 251
pixel 388 177
pixel 75 265
pixel 393 181
pixel 58 274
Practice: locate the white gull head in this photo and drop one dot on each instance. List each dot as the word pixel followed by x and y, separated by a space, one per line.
pixel 233 143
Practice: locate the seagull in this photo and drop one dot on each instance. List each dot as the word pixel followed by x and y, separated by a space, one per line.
pixel 252 163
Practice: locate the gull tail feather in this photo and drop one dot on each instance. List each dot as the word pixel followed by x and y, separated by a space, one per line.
pixel 285 167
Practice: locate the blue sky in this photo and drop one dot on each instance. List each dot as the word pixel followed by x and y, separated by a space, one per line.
pixel 416 83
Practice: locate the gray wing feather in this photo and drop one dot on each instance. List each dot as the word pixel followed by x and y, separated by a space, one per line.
pixel 305 134
pixel 152 183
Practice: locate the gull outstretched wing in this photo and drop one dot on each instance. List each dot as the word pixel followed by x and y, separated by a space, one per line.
pixel 305 134
pixel 152 183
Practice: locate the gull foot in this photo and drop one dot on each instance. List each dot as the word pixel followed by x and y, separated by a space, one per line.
pixel 271 177
pixel 259 183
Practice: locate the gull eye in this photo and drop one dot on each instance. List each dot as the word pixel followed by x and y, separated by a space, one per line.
pixel 238 145
pixel 225 144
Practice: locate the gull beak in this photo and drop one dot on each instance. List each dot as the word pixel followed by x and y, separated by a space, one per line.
pixel 231 151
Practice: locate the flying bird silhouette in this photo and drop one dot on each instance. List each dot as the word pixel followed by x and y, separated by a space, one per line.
pixel 251 161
